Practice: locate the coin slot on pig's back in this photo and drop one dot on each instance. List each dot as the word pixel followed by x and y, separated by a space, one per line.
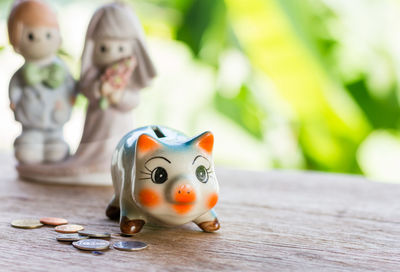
pixel 158 132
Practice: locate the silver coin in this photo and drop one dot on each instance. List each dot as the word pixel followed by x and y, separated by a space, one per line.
pixel 91 244
pixel 129 245
pixel 70 237
pixel 95 234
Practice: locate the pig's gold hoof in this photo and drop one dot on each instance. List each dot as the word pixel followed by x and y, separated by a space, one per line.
pixel 131 226
pixel 210 226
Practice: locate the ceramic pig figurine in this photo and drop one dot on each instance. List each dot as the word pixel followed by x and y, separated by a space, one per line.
pixel 163 177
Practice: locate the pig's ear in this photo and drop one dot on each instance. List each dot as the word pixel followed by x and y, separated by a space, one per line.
pixel 204 141
pixel 146 144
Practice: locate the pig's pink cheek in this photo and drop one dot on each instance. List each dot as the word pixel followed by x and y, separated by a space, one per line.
pixel 212 200
pixel 149 198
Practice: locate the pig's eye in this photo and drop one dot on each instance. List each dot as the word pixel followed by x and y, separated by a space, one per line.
pixel 202 174
pixel 159 175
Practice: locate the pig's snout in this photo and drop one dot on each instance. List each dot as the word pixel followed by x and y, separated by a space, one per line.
pixel 184 194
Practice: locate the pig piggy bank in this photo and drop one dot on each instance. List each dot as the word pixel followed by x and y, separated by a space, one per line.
pixel 161 176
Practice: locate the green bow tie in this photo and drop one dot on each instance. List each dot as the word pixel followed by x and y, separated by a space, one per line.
pixel 52 75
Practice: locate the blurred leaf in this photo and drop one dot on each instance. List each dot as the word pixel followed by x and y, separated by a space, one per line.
pixel 382 113
pixel 196 21
pixel 244 110
pixel 309 26
pixel 205 29
pixel 326 149
pixel 181 5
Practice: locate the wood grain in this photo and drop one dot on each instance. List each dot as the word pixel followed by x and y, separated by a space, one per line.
pixel 270 221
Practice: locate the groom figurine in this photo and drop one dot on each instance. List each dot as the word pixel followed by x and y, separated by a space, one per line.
pixel 42 91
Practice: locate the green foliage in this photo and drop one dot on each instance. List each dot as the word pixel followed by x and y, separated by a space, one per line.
pixel 380 112
pixel 205 29
pixel 291 43
pixel 244 110
pixel 197 20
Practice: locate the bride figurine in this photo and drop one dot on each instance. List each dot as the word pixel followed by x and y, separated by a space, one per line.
pixel 115 67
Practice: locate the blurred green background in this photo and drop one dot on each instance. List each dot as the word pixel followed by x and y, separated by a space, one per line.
pixel 294 84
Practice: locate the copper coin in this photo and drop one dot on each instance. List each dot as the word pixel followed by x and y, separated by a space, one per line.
pixel 69 228
pixel 26 223
pixel 53 221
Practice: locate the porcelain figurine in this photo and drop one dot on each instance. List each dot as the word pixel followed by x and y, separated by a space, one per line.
pixel 42 91
pixel 161 176
pixel 115 67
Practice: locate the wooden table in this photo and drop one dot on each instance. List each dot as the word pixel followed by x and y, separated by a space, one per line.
pixel 271 221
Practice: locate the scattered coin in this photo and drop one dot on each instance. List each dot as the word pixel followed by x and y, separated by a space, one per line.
pixel 129 245
pixel 26 223
pixel 95 234
pixel 80 238
pixel 53 221
pixel 70 237
pixel 69 228
pixel 91 244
